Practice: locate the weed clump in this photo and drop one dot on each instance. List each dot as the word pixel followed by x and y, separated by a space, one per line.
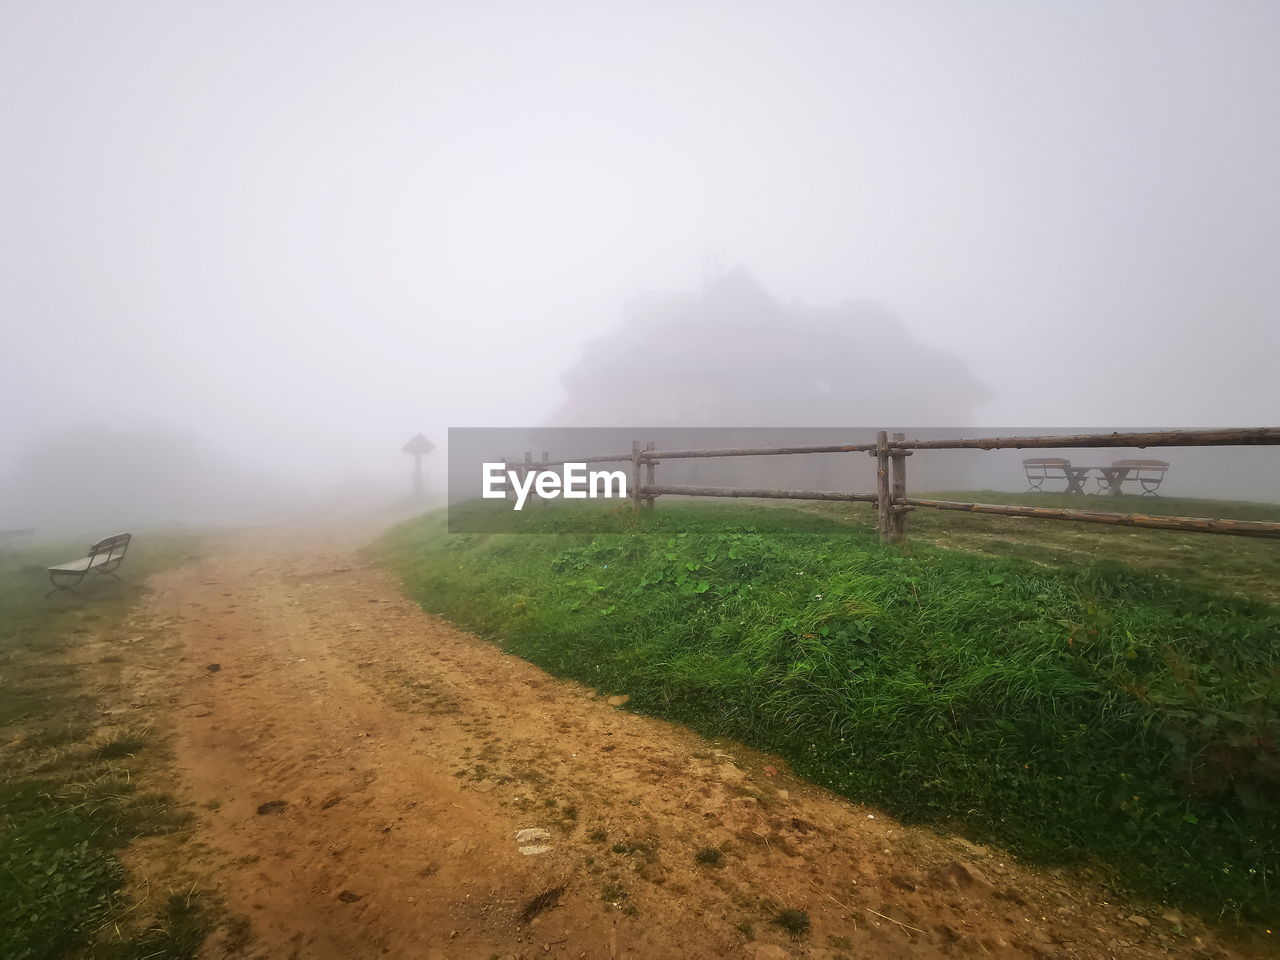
pixel 795 922
pixel 121 745
pixel 711 856
pixel 542 902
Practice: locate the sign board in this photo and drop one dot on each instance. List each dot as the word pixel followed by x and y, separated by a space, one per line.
pixel 419 445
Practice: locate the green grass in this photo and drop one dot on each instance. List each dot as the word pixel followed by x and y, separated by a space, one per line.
pixel 1230 564
pixel 1077 709
pixel 70 801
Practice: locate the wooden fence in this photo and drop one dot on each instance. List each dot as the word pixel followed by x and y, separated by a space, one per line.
pixel 890 496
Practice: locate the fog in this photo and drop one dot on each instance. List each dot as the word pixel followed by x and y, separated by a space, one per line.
pixel 248 249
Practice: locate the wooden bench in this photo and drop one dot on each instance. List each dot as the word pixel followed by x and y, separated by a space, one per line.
pixel 104 556
pixel 1040 469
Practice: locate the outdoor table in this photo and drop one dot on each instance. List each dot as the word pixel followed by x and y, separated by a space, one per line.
pixel 1111 481
pixel 1113 477
pixel 1075 478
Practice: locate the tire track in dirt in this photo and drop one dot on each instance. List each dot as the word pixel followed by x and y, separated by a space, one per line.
pixel 361 769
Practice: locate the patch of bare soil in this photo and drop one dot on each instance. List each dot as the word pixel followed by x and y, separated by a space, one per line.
pixel 371 781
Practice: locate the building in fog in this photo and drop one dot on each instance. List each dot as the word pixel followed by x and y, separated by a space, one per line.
pixel 736 357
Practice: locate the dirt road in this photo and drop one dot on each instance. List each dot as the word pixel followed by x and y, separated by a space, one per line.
pixel 362 771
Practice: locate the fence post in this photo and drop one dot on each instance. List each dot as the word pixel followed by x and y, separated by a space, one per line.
pixel 526 470
pixel 882 485
pixel 898 519
pixel 649 466
pixel 546 459
pixel 635 474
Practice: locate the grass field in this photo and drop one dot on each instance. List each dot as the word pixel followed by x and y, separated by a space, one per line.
pixel 1081 694
pixel 1230 564
pixel 74 791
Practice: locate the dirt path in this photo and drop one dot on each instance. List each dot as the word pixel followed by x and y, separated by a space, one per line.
pixel 361 770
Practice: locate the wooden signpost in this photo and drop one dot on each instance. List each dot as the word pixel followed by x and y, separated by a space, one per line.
pixel 418 446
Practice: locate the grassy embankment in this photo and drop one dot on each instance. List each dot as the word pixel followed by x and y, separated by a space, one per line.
pixel 1079 710
pixel 75 789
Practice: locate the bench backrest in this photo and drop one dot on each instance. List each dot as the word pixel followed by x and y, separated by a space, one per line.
pixel 114 547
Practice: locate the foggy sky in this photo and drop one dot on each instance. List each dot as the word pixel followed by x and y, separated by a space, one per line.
pixel 300 232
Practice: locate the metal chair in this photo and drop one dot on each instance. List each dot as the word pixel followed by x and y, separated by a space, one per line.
pixel 1040 469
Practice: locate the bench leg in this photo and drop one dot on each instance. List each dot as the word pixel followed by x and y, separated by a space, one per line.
pixel 65 585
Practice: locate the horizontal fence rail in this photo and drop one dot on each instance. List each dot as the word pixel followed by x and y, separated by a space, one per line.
pixel 891 500
pixel 1163 438
pixel 647 491
pixel 755 451
pixel 544 463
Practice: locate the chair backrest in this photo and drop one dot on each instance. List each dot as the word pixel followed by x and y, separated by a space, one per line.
pixel 1046 467
pixel 114 547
